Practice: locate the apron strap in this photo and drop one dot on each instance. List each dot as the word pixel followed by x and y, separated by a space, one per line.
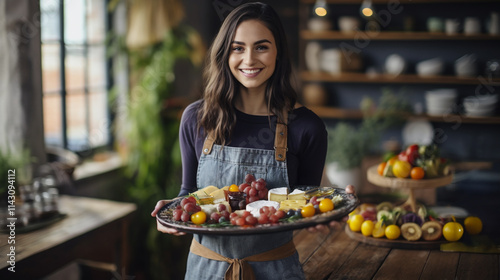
pixel 280 141
pixel 240 267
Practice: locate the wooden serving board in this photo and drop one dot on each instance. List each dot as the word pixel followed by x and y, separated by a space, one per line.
pixel 399 243
pixel 391 182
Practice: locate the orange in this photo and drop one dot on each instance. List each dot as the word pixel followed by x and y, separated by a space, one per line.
pixel 356 222
pixel 380 168
pixel 417 173
pixel 198 218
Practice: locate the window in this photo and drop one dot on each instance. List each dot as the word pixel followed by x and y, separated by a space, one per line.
pixel 75 73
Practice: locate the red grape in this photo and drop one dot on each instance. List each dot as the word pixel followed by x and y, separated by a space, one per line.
pixel 262 181
pixel 177 214
pixel 185 217
pixel 253 192
pixel 215 216
pixel 264 210
pixel 251 220
pixel 314 200
pixel 233 215
pixel 249 178
pixel 253 199
pixel 259 186
pixel 245 214
pixel 243 186
pixel 225 214
pixel 221 207
pixel 273 219
pixel 263 219
pixel 263 194
pixel 280 213
pixel 190 208
pixel 240 221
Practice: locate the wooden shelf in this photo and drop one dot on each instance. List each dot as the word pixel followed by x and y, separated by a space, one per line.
pixel 392 35
pixel 358 2
pixel 389 79
pixel 339 113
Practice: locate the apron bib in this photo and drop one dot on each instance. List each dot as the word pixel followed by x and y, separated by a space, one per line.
pixel 229 165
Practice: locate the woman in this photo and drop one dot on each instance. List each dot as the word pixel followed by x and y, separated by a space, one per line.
pixel 248 122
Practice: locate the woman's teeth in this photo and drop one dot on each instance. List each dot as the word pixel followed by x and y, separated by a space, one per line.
pixel 250 71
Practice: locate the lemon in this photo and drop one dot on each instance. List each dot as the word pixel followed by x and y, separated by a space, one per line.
pixel 453 231
pixel 356 222
pixel 401 169
pixel 392 232
pixel 367 228
pixel 473 225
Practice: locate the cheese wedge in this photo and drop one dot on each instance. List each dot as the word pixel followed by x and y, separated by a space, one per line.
pixel 255 206
pixel 277 194
pixel 218 195
pixel 296 195
pixel 286 205
pixel 211 208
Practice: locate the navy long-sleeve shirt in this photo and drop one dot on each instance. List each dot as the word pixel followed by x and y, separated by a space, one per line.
pixel 307 144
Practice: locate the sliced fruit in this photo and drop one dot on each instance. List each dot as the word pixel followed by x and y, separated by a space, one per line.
pixel 379 229
pixel 380 168
pixel 473 225
pixel 431 231
pixel 386 205
pixel 392 232
pixel 411 231
pixel 386 216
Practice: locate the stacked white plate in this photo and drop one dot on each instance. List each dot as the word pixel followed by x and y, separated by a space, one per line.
pixel 480 106
pixel 440 101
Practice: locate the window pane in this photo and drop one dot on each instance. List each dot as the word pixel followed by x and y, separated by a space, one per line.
pixel 49 19
pixel 99 123
pixel 74 21
pixel 52 119
pixel 50 67
pixel 97 66
pixel 96 16
pixel 75 67
pixel 77 131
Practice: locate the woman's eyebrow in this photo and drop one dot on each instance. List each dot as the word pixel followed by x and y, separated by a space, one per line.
pixel 256 43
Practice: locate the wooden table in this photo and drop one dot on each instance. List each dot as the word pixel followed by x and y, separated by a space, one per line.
pixel 337 256
pixel 94 229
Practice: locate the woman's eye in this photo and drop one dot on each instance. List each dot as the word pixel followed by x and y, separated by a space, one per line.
pixel 237 49
pixel 261 48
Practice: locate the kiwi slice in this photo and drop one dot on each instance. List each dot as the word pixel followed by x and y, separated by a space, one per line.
pixel 431 230
pixel 386 205
pixel 411 231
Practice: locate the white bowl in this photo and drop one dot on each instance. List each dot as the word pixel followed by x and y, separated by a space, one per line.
pixel 430 67
pixel 471 106
pixel 482 99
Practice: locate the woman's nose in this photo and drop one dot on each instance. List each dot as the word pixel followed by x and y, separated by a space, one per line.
pixel 249 57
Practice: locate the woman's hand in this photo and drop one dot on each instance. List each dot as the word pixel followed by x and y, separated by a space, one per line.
pixel 161 227
pixel 325 227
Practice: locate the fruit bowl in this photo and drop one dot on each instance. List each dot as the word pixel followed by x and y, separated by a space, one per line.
pixel 402 183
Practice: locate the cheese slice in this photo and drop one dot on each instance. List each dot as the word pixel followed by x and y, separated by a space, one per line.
pixel 255 206
pixel 218 195
pixel 296 195
pixel 286 205
pixel 277 194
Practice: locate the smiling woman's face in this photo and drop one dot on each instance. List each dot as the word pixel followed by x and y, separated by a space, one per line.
pixel 253 54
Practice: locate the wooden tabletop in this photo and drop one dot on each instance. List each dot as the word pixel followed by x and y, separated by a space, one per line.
pixel 91 226
pixel 334 255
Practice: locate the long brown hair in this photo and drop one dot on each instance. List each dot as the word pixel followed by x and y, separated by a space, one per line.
pixel 217 114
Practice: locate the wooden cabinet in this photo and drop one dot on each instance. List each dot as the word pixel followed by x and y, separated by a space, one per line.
pixel 418 45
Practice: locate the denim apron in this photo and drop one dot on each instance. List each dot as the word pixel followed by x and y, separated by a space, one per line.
pixel 229 165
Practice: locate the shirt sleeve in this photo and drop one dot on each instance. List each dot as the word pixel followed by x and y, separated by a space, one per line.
pixel 312 153
pixel 187 137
